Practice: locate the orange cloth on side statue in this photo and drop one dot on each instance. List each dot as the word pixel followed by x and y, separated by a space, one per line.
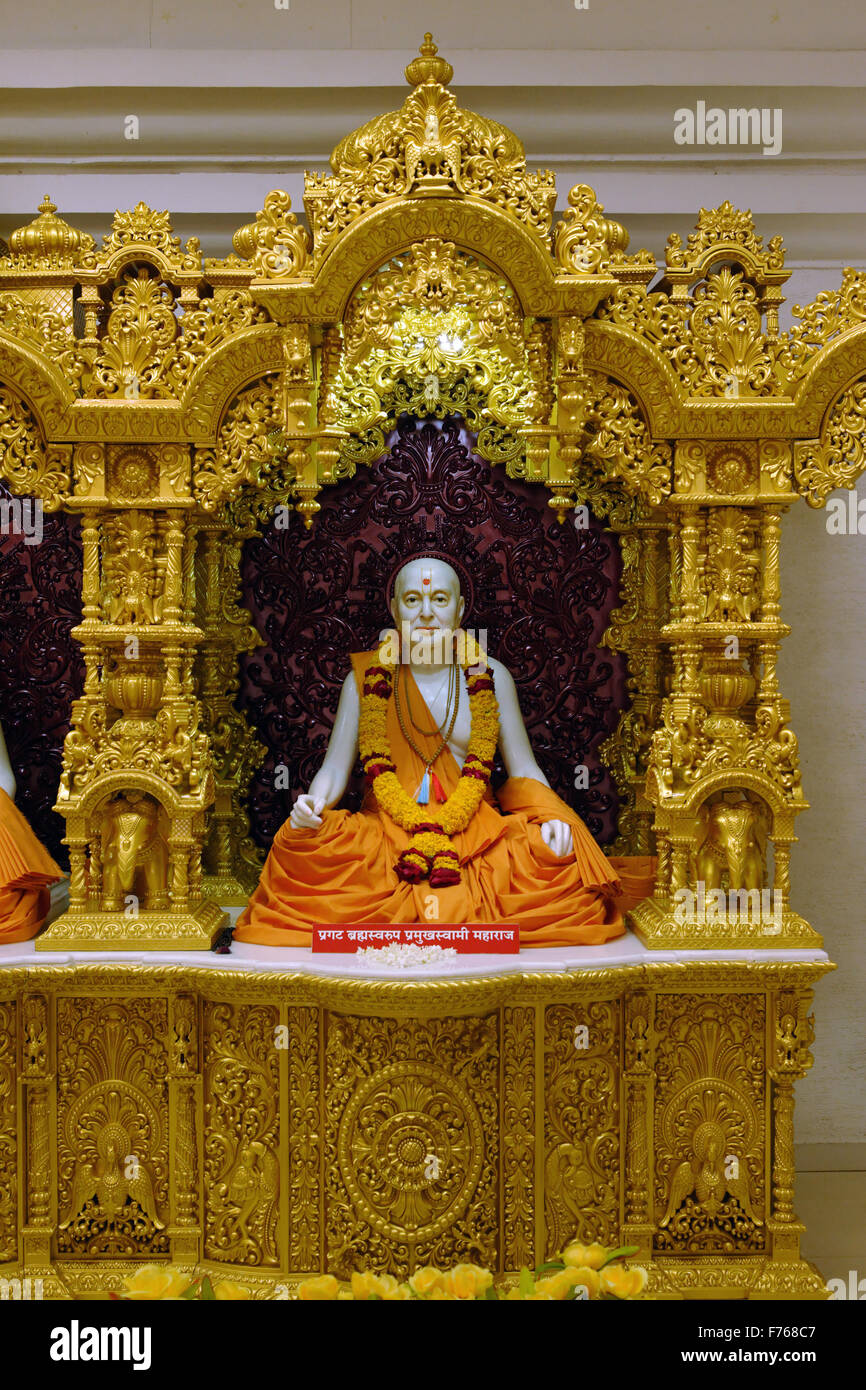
pixel 342 873
pixel 26 869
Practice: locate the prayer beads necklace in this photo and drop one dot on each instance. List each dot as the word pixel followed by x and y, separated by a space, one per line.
pixel 422 795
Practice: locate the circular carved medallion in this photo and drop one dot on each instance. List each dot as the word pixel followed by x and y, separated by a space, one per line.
pixel 410 1149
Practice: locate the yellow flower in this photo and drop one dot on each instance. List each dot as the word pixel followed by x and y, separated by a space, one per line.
pixel 228 1289
pixel 559 1285
pixel 425 1280
pixel 368 1285
pixel 625 1283
pixel 468 1281
pixel 440 1295
pixel 588 1256
pixel 324 1287
pixel 157 1282
pixel 401 1294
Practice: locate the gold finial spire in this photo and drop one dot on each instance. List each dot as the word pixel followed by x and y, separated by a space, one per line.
pixel 48 236
pixel 429 67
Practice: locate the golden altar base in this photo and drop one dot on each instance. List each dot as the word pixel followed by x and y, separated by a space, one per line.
pixel 266 1124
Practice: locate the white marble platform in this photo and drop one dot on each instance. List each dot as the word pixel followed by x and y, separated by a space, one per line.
pixel 625 950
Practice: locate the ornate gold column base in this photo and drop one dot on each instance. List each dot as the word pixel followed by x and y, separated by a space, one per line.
pixel 147 931
pixel 658 928
pixel 730 1278
pixel 226 889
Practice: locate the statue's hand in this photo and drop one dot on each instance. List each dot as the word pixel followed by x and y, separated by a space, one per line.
pixel 556 834
pixel 307 812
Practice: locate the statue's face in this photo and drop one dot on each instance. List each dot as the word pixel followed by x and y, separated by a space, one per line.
pixel 427 597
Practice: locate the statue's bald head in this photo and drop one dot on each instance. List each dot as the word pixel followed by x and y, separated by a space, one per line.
pixel 427 594
pixel 427 574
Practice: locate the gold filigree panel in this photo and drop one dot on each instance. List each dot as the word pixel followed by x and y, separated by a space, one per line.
pixel 112 1127
pixel 411 1142
pixel 305 1139
pixel 582 1175
pixel 241 1160
pixel 710 1136
pixel 8 1134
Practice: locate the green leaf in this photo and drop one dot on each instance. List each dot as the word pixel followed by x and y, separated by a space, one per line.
pixel 620 1253
pixel 191 1292
pixel 207 1292
pixel 491 1294
pixel 551 1264
pixel 527 1283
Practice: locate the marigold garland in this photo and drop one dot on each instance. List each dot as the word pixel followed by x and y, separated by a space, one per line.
pixel 430 853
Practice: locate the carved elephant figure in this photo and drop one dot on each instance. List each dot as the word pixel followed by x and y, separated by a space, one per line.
pixel 132 841
pixel 732 836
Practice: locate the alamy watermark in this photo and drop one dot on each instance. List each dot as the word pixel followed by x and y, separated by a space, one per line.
pixel 846 516
pixel 739 125
pixel 22 516
pixel 702 905
pixel 431 647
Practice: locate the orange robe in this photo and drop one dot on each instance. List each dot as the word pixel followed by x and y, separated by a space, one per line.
pixel 342 873
pixel 26 869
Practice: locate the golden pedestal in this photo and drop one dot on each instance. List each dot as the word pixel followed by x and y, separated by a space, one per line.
pixel 195 930
pixel 266 1123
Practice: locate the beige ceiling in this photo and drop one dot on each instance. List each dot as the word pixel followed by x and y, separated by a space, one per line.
pixel 458 25
pixel 235 97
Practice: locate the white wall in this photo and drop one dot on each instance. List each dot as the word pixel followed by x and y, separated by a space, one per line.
pixel 823 672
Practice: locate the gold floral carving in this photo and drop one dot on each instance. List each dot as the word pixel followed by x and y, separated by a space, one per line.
pixel 241 1159
pixel 8 1134
pixel 518 1137
pixel 838 458
pixel 276 243
pixel 582 1179
pixel 112 1144
pixel 411 1148
pixel 584 240
pixel 25 462
pixel 709 1124
pixel 433 333
pixel 305 1140
pixel 430 146
pixel 140 229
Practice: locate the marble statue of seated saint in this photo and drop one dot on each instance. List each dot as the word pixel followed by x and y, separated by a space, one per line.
pixel 426 712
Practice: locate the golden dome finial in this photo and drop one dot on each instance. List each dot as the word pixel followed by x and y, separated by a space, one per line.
pixel 48 237
pixel 428 66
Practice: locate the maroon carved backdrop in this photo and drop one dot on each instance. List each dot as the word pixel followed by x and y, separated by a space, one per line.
pixel 41 670
pixel 543 590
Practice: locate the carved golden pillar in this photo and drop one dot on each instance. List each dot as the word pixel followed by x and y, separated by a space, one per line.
pixel 792 1034
pixel 37 1105
pixel 185 1131
pixel 137 778
pixel 724 771
pixel 231 859
pixel 638 1223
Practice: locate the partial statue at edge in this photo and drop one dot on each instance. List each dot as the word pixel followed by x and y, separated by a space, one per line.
pixel 26 867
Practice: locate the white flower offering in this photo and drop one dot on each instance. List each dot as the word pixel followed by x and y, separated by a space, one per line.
pixel 405 956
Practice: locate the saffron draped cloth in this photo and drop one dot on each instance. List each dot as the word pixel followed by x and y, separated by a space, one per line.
pixel 26 870
pixel 342 872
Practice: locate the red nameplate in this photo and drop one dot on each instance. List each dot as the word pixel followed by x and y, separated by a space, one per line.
pixel 466 939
